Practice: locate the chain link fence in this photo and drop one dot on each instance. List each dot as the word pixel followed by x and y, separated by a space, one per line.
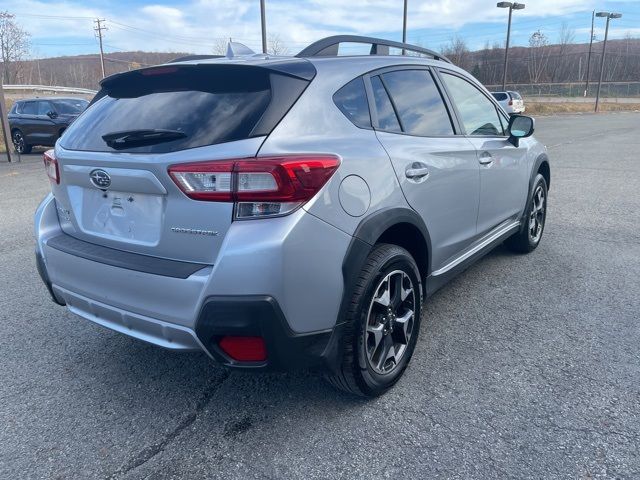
pixel 608 89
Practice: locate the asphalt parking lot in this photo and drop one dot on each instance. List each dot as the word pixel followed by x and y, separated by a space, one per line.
pixel 527 366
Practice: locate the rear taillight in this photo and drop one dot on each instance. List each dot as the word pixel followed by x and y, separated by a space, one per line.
pixel 51 166
pixel 510 103
pixel 261 187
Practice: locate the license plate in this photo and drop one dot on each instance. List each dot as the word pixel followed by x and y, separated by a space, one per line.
pixel 136 217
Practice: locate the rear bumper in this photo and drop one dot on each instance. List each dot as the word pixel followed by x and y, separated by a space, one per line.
pixel 253 290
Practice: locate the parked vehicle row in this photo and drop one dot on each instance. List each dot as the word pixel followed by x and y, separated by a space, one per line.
pixel 286 212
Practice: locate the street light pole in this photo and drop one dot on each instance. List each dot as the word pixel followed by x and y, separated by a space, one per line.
pixel 263 23
pixel 586 87
pixel 604 50
pixel 511 6
pixel 404 25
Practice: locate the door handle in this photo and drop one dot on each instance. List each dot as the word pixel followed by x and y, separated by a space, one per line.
pixel 485 158
pixel 417 170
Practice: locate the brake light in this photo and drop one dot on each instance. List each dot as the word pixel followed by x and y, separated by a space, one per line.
pixel 510 102
pixel 260 187
pixel 51 166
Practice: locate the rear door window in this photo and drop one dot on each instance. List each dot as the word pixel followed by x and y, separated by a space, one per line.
pixel 418 103
pixel 387 119
pixel 187 106
pixel 352 102
pixel 29 108
pixel 478 114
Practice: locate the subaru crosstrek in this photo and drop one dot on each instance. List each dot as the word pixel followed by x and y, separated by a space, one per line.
pixel 286 212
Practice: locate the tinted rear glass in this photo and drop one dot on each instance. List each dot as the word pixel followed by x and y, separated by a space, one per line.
pixel 499 96
pixel 352 101
pixel 387 119
pixel 207 104
pixel 29 108
pixel 418 103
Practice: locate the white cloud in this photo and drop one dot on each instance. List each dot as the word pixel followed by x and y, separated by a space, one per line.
pixel 195 25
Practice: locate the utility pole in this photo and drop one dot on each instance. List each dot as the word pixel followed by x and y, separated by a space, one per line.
pixel 6 133
pixel 98 29
pixel 263 22
pixel 604 50
pixel 586 87
pixel 404 25
pixel 511 6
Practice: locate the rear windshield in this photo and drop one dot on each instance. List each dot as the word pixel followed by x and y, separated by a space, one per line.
pixel 199 105
pixel 499 96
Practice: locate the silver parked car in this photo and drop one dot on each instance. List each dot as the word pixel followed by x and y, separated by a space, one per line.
pixel 286 212
pixel 512 102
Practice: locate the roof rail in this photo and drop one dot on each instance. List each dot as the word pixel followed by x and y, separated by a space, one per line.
pixel 194 57
pixel 328 47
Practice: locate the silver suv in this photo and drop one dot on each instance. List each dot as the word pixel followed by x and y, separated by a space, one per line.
pixel 286 212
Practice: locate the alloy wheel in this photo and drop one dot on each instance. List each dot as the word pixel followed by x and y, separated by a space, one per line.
pixel 18 142
pixel 537 214
pixel 390 322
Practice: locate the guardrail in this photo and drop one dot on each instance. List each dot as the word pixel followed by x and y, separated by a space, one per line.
pixel 50 88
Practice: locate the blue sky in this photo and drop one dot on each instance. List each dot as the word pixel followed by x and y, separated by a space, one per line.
pixel 66 27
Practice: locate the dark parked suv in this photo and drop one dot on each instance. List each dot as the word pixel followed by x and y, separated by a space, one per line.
pixel 41 121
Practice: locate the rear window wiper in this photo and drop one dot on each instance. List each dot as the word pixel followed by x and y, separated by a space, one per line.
pixel 139 138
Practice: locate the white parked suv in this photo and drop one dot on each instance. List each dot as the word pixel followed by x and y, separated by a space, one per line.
pixel 512 102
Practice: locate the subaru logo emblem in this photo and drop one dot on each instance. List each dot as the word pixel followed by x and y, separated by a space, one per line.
pixel 100 179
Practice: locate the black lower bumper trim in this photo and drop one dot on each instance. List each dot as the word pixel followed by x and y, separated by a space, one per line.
pixel 261 316
pixel 119 258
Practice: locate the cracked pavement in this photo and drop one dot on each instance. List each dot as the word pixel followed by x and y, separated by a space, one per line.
pixel 527 366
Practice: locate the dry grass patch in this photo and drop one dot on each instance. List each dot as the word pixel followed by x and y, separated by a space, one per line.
pixel 543 108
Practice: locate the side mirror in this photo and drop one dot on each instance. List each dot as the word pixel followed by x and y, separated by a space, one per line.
pixel 520 126
pixel 51 114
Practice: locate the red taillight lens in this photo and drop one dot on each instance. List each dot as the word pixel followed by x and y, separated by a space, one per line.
pixel 244 349
pixel 510 102
pixel 51 166
pixel 265 186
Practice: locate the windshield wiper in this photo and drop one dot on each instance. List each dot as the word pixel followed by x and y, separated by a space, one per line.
pixel 139 138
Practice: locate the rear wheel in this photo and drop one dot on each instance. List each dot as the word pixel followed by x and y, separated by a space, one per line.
pixel 528 238
pixel 19 143
pixel 383 323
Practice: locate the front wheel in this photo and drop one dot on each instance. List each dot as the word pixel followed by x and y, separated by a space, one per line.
pixel 528 238
pixel 383 323
pixel 19 143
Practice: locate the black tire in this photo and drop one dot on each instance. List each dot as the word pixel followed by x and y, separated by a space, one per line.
pixel 525 241
pixel 357 373
pixel 19 143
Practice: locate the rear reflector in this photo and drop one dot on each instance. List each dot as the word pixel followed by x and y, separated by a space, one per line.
pixel 262 187
pixel 244 349
pixel 51 166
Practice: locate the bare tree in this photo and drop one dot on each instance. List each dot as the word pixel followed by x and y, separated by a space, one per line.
pixel 220 46
pixel 538 55
pixel 275 46
pixel 458 52
pixel 14 46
